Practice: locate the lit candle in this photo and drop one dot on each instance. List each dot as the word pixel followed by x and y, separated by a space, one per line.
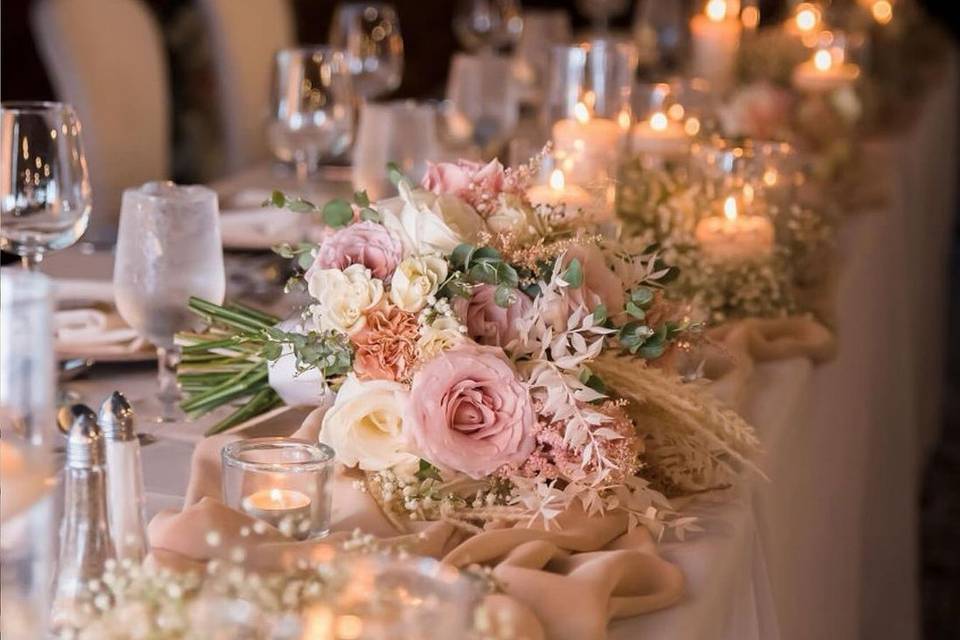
pixel 716 36
pixel 661 135
pixel 750 16
pixel 557 192
pixel 735 237
pixel 881 10
pixel 825 71
pixel 805 23
pixel 286 509
pixel 589 142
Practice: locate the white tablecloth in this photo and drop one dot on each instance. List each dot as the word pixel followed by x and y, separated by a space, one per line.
pixel 827 549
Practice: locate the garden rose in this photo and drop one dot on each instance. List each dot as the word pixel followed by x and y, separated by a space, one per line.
pixel 416 279
pixel 425 223
pixel 366 243
pixel 759 110
pixel 458 177
pixel 468 412
pixel 365 425
pixel 344 297
pixel 442 334
pixel 487 322
pixel 510 216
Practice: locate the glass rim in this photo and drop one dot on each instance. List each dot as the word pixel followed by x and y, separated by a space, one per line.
pixel 310 48
pixel 197 193
pixel 34 106
pixel 322 455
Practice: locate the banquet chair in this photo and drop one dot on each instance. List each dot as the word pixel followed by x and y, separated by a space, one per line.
pixel 244 38
pixel 106 58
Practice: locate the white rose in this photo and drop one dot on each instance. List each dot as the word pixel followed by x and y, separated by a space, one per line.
pixel 344 297
pixel 510 217
pixel 365 425
pixel 425 223
pixel 416 279
pixel 442 334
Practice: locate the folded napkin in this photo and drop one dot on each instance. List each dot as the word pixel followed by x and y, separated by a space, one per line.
pixel 83 327
pixel 563 584
pixel 86 322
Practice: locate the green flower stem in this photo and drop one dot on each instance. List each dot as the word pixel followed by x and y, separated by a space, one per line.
pixel 224 392
pixel 261 402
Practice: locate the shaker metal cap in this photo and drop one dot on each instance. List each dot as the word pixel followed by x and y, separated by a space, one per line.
pixel 85 446
pixel 116 418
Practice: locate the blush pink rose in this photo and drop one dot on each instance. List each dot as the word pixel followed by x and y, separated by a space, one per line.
pixel 366 243
pixel 487 322
pixel 457 177
pixel 468 412
pixel 759 110
pixel 600 283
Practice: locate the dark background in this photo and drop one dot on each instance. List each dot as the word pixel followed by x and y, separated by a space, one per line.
pixel 428 44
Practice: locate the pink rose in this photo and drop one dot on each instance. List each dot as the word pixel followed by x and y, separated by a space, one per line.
pixel 456 178
pixel 759 110
pixel 487 322
pixel 468 412
pixel 600 284
pixel 366 243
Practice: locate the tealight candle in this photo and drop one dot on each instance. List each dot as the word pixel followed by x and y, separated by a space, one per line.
pixel 733 236
pixel 558 192
pixel 825 71
pixel 286 509
pixel 660 135
pixel 590 141
pixel 715 36
pixel 805 23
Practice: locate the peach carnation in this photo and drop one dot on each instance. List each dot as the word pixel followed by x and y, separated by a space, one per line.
pixel 386 349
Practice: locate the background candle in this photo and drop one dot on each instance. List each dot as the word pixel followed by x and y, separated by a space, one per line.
pixel 558 192
pixel 825 71
pixel 734 237
pixel 588 144
pixel 285 509
pixel 716 37
pixel 659 135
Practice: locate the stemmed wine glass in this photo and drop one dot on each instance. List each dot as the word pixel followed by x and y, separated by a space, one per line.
pixel 168 249
pixel 312 111
pixel 488 25
pixel 369 35
pixel 601 11
pixel 45 196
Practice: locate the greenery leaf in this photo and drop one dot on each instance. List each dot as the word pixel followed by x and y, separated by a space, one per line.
pixel 505 296
pixel 337 213
pixel 574 273
pixel 427 470
pixel 396 175
pixel 600 314
pixel 301 206
pixel 461 255
pixel 361 198
pixel 371 215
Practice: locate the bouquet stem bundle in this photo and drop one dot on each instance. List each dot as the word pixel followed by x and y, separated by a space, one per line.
pixel 226 364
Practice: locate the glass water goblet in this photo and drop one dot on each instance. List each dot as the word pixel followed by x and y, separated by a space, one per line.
pixel 488 25
pixel 480 91
pixel 168 249
pixel 312 110
pixel 369 35
pixel 45 191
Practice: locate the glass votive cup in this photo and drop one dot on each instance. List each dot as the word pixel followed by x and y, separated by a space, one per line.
pixel 285 482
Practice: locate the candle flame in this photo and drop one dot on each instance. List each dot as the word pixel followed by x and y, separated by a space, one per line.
pixel 730 208
pixel 658 121
pixel 882 11
pixel 557 181
pixel 581 113
pixel 750 17
pixel 770 177
pixel 692 126
pixel 822 60
pixel 807 17
pixel 676 111
pixel 276 495
pixel 716 10
pixel 623 119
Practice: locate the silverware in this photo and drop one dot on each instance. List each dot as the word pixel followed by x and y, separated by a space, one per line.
pixel 74 368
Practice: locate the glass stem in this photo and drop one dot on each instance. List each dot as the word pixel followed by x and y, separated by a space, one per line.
pixel 31 261
pixel 302 161
pixel 167 361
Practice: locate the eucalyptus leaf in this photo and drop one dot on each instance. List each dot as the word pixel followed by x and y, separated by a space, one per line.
pixel 574 273
pixel 361 198
pixel 396 174
pixel 337 213
pixel 505 296
pixel 600 314
pixel 461 255
pixel 371 215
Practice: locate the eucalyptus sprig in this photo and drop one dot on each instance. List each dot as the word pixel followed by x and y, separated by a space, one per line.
pixel 471 264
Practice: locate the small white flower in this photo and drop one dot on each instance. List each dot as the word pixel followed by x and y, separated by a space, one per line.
pixel 510 216
pixel 416 280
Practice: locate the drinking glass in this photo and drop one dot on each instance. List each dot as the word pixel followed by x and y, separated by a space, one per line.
pixel 44 188
pixel 369 35
pixel 479 89
pixel 27 382
pixel 542 30
pixel 486 25
pixel 404 132
pixel 661 25
pixel 601 11
pixel 168 249
pixel 312 111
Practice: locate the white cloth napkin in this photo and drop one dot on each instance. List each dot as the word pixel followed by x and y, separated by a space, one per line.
pixel 88 330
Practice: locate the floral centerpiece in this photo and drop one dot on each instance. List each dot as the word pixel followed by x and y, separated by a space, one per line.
pixel 482 359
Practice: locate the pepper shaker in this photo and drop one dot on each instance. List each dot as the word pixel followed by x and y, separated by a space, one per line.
pixel 125 496
pixel 85 543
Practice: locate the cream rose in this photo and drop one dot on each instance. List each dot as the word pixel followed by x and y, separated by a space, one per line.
pixel 344 297
pixel 510 216
pixel 415 280
pixel 365 425
pixel 426 223
pixel 442 334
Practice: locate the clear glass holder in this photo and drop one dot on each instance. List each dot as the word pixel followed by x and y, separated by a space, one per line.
pixel 169 395
pixel 285 482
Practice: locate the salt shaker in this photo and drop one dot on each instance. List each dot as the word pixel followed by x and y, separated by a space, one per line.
pixel 85 543
pixel 125 496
